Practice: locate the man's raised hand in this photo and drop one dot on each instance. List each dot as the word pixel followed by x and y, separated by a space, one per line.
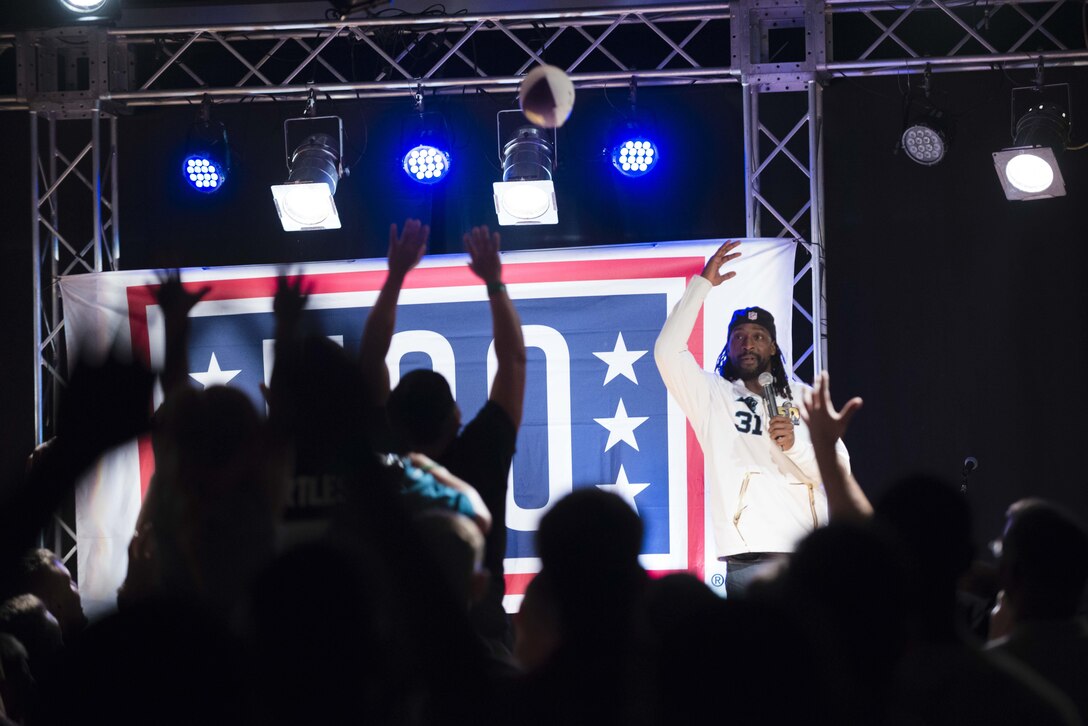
pixel 725 253
pixel 483 249
pixel 407 248
pixel 826 425
pixel 290 299
pixel 174 299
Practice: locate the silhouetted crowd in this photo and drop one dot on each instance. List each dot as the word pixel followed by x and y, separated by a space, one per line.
pixel 244 604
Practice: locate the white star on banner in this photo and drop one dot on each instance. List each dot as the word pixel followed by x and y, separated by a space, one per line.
pixel 625 489
pixel 214 376
pixel 621 427
pixel 621 362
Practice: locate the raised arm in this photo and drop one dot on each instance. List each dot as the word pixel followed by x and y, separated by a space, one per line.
pixel 508 388
pixel 176 303
pixel 104 405
pixel 845 499
pixel 405 252
pixel 683 376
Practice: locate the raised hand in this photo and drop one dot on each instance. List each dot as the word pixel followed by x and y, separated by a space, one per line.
pixel 407 248
pixel 826 425
pixel 174 299
pixel 712 271
pixel 483 249
pixel 290 299
pixel 845 498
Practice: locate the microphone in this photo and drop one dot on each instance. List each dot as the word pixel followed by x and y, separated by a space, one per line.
pixel 969 465
pixel 766 381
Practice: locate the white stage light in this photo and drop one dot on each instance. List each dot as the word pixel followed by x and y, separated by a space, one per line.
pixel 1029 169
pixel 526 195
pixel 305 205
pixel 83 6
pixel 305 201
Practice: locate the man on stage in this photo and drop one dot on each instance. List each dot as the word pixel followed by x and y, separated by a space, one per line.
pixel 762 476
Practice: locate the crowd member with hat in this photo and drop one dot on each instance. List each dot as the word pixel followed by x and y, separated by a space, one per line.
pixel 762 476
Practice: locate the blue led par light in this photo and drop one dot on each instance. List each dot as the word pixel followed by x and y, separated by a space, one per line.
pixel 634 156
pixel 427 161
pixel 427 164
pixel 207 153
pixel 631 145
pixel 204 174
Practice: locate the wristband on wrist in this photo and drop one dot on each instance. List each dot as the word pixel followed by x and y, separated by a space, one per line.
pixel 493 288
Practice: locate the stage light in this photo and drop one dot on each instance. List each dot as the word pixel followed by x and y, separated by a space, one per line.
pixel 83 11
pixel 427 137
pixel 526 195
pixel 83 6
pixel 927 131
pixel 207 153
pixel 1029 168
pixel 427 164
pixel 925 141
pixel 203 174
pixel 630 144
pixel 634 157
pixel 305 201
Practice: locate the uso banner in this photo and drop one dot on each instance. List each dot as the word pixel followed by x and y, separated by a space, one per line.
pixel 596 411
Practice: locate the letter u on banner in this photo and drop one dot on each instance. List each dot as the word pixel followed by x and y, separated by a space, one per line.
pixel 422 341
pixel 557 374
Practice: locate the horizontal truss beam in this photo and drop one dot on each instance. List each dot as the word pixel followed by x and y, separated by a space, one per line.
pixel 676 44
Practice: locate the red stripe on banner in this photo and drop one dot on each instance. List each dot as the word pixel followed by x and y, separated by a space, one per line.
pixel 139 298
pixel 696 485
pixel 427 277
pixel 696 506
pixel 517 582
pixel 147 463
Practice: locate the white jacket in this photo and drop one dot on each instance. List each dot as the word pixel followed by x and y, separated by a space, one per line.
pixel 761 498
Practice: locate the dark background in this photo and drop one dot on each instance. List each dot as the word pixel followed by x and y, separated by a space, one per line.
pixel 959 316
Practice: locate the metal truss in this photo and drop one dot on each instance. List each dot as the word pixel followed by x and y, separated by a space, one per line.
pixel 784 164
pixel 955 35
pixel 73 242
pixel 384 56
pixel 782 52
pixel 74 229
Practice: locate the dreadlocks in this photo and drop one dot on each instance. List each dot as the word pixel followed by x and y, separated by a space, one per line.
pixel 724 368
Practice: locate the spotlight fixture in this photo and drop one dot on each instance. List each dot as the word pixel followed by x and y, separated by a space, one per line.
pixel 1029 168
pixel 927 133
pixel 82 6
pixel 207 154
pixel 89 10
pixel 925 141
pixel 526 194
pixel 632 150
pixel 428 160
pixel 314 146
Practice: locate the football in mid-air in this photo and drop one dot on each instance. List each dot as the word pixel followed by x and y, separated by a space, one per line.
pixel 546 96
